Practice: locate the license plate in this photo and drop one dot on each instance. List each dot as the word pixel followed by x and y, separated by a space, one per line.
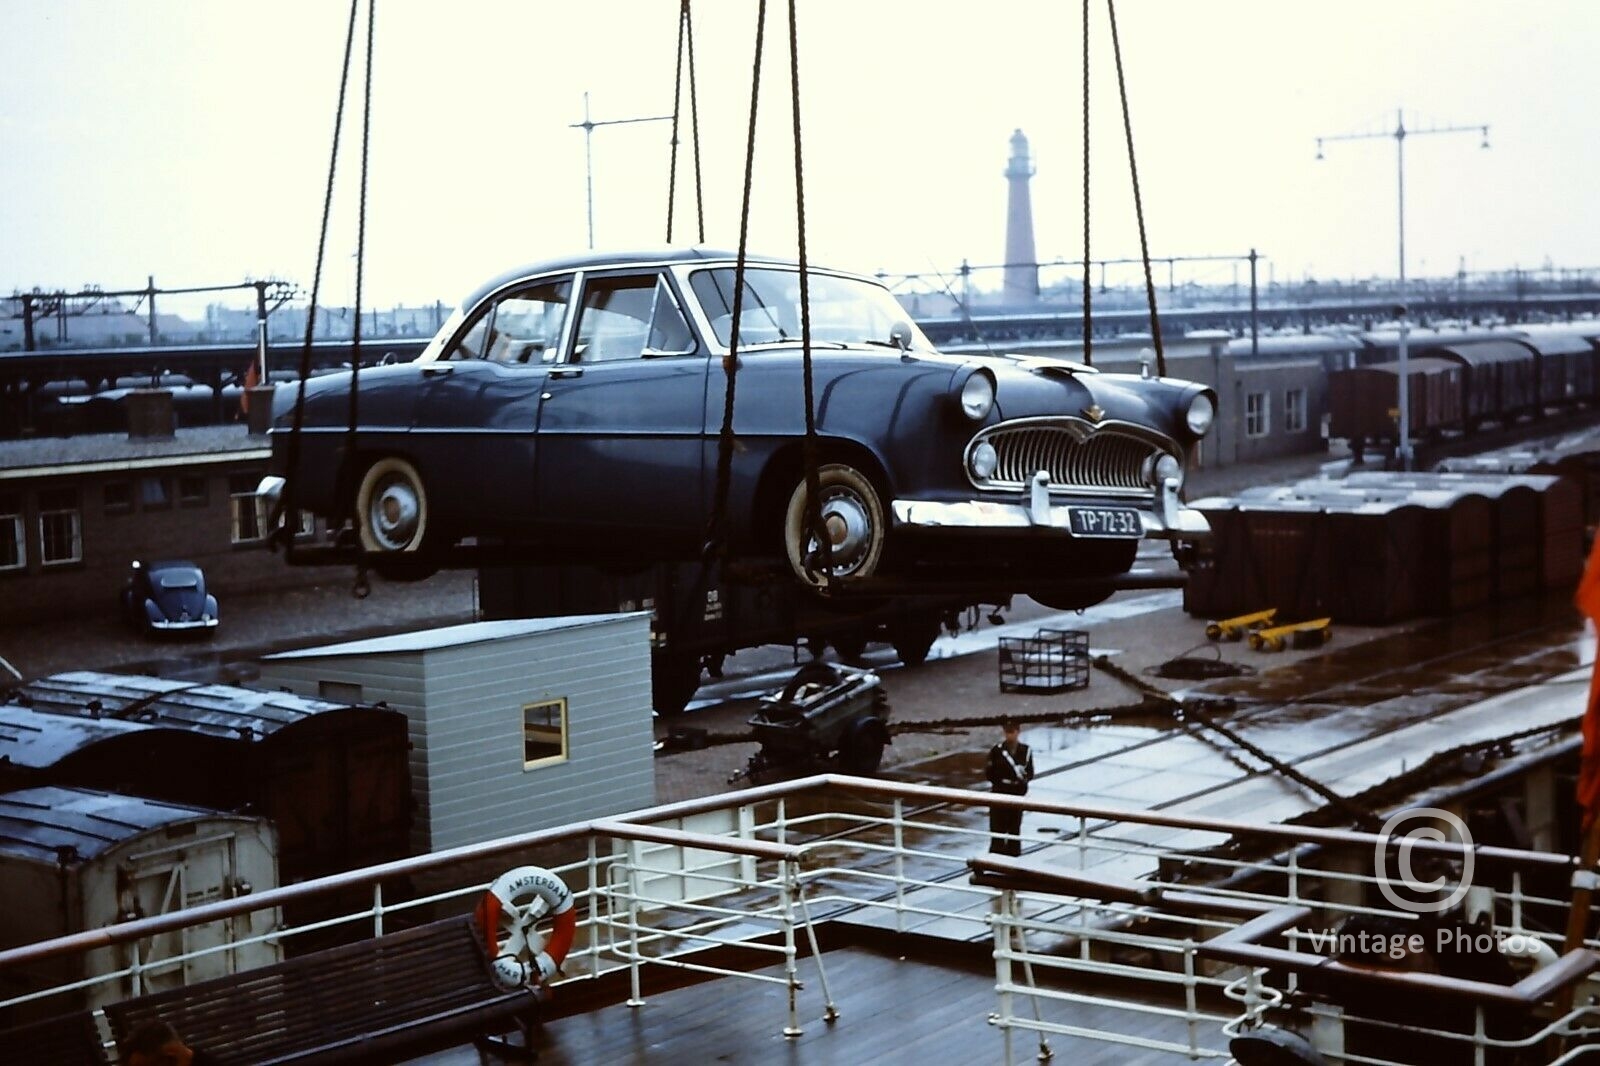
pixel 1104 522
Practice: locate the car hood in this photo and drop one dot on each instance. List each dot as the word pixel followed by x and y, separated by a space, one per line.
pixel 1032 387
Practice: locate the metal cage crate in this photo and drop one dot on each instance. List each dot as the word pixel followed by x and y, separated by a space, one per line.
pixel 1052 660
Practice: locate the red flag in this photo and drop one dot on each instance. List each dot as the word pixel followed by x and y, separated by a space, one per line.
pixel 1588 601
pixel 252 378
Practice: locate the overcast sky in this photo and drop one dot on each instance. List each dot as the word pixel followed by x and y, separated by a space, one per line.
pixel 189 140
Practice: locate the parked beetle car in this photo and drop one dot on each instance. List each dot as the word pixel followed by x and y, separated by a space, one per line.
pixel 575 407
pixel 169 596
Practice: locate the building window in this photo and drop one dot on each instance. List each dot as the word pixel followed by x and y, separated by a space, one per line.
pixel 118 497
pixel 60 528
pixel 1255 414
pixel 339 691
pixel 192 491
pixel 1294 411
pixel 155 493
pixel 242 498
pixel 13 546
pixel 544 733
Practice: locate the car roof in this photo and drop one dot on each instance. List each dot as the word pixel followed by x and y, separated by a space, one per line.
pixel 593 260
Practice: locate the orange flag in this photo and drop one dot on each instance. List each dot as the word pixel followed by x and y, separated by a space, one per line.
pixel 1588 600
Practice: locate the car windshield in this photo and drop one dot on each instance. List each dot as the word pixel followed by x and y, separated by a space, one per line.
pixel 843 310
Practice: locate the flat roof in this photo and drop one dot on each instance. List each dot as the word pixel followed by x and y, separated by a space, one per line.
pixel 92 453
pixel 453 636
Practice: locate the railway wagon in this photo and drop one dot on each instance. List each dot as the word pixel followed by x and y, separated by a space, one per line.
pixel 1361 400
pixel 1566 366
pixel 1501 379
pixel 334 778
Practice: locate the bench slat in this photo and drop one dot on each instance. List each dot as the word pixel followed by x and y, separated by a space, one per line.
pixel 347 1002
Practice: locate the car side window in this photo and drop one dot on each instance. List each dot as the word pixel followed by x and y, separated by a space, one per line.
pixel 521 327
pixel 629 318
pixel 525 327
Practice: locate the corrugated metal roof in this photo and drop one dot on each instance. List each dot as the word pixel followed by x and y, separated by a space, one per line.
pixel 1480 353
pixel 37 741
pixel 453 636
pixel 68 825
pixel 216 710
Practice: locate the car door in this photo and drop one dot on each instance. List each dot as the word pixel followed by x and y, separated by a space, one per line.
pixel 622 421
pixel 475 430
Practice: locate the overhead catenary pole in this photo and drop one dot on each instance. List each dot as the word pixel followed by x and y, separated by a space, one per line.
pixel 1400 133
pixel 588 126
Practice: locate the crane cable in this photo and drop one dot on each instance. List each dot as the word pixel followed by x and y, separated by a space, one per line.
pixel 293 453
pixel 1088 328
pixel 813 515
pixel 1138 202
pixel 717 533
pixel 685 36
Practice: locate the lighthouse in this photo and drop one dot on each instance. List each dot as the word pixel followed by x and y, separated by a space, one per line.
pixel 1021 269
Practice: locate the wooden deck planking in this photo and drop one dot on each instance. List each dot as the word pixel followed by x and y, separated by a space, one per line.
pixel 892 1010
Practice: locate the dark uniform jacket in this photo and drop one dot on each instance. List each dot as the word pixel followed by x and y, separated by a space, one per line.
pixel 1010 773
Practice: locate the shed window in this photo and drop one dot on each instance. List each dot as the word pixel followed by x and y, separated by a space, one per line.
pixel 1256 420
pixel 1294 411
pixel 544 733
pixel 60 528
pixel 13 548
pixel 339 691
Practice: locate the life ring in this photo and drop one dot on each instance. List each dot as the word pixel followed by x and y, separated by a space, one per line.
pixel 518 900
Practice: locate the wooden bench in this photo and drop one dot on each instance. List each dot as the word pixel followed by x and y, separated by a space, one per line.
pixel 67 1038
pixel 379 1000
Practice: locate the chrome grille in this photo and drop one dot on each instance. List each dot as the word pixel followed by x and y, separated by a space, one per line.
pixel 1078 455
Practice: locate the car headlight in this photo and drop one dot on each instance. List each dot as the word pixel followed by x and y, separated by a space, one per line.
pixel 983 461
pixel 1201 413
pixel 1159 468
pixel 977 396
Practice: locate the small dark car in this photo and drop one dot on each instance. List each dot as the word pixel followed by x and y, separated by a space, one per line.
pixel 574 407
pixel 169 596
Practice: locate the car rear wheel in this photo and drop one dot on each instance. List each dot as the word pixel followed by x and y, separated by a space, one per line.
pixel 853 518
pixel 391 508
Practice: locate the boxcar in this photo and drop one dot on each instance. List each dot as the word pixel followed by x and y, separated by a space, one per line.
pixel 1363 401
pixel 1501 382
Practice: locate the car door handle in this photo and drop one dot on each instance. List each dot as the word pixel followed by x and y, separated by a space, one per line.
pixel 436 369
pixel 567 372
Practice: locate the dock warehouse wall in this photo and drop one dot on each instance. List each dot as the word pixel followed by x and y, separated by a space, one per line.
pixel 466 689
pixel 125 500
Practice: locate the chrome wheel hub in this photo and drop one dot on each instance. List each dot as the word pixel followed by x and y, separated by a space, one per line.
pixel 392 516
pixel 848 526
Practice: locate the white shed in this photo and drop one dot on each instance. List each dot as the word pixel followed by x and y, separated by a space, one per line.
pixel 515 725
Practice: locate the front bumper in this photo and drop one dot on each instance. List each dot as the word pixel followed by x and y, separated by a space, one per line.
pixel 166 626
pixel 1168 519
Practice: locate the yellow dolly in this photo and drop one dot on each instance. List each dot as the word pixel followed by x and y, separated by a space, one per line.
pixel 1312 634
pixel 1236 628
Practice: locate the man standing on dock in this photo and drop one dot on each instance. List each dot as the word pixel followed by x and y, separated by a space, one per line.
pixel 1010 769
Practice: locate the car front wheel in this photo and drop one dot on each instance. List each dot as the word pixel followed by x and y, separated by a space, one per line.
pixel 853 519
pixel 391 509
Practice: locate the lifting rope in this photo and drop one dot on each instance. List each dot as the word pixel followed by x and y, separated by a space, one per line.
pixel 1138 202
pixel 293 454
pixel 717 533
pixel 361 244
pixel 685 36
pixel 1088 319
pixel 813 477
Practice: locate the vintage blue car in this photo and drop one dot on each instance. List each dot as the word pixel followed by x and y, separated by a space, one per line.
pixel 168 596
pixel 572 409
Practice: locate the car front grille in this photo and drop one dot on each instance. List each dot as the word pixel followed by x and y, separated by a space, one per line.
pixel 1078 455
